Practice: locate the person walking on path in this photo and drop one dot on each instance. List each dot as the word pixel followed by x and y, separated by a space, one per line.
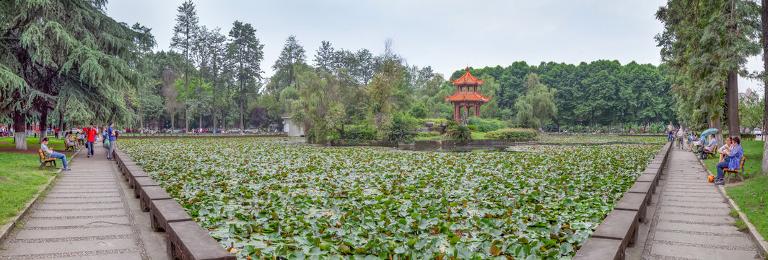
pixel 680 137
pixel 54 154
pixel 112 135
pixel 90 136
pixel 731 160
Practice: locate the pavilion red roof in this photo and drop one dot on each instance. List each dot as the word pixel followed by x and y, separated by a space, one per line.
pixel 467 97
pixel 468 79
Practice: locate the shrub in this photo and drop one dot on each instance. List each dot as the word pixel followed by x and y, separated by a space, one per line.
pixel 427 135
pixel 486 125
pixel 459 132
pixel 513 134
pixel 402 129
pixel 359 132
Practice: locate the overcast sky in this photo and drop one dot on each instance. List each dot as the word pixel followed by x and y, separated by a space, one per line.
pixel 445 34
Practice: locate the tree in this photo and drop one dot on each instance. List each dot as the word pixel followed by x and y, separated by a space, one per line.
pixel 537 107
pixel 325 58
pixel 291 55
pixel 706 43
pixel 68 47
pixel 764 38
pixel 218 49
pixel 184 33
pixel 382 91
pixel 245 53
pixel 751 110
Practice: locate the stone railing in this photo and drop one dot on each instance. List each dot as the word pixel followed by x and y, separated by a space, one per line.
pixel 619 229
pixel 185 238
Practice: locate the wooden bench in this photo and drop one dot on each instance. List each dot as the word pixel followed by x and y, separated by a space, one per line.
pixel 187 240
pixel 737 172
pixel 163 212
pixel 45 160
pixel 600 249
pixel 150 193
pixel 621 225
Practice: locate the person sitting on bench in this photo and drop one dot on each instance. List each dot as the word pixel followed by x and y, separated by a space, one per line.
pixel 52 154
pixel 732 160
pixel 723 150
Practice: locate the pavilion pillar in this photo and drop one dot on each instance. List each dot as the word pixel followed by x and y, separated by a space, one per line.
pixel 477 110
pixel 456 112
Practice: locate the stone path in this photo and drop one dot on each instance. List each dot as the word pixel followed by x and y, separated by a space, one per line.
pixel 88 213
pixel 690 218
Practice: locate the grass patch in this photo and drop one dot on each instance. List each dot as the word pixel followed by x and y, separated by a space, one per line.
pixel 20 180
pixel 33 143
pixel 752 198
pixel 752 195
pixel 740 225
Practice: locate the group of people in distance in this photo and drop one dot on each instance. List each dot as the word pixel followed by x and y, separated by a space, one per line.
pixel 90 135
pixel 730 153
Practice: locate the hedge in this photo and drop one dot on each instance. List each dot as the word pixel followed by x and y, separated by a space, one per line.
pixel 513 134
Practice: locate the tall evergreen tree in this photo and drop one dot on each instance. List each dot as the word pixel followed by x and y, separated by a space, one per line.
pixel 292 54
pixel 326 57
pixel 245 53
pixel 184 33
pixel 63 48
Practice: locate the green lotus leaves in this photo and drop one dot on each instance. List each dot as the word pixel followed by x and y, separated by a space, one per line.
pixel 270 197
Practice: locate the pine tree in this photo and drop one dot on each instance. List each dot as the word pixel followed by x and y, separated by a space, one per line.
pixel 63 48
pixel 184 33
pixel 291 55
pixel 245 53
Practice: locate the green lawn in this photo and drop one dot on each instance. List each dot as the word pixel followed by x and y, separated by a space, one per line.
pixel 752 198
pixel 33 143
pixel 752 195
pixel 20 180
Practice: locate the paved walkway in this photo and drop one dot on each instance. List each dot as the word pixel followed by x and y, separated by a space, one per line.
pixel 88 213
pixel 690 218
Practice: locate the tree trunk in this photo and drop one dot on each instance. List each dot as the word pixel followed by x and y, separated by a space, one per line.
pixel 43 124
pixel 20 130
pixel 765 83
pixel 242 117
pixel 173 118
pixel 732 99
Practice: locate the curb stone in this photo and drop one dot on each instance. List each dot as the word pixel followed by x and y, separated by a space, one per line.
pixel 6 229
pixel 753 234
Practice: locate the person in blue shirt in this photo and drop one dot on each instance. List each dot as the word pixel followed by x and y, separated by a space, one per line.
pixel 112 138
pixel 52 154
pixel 731 160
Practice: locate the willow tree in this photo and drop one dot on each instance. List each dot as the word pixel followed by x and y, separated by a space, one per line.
pixel 706 43
pixel 537 107
pixel 52 47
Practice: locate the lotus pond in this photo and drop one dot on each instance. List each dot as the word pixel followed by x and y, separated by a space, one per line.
pixel 266 197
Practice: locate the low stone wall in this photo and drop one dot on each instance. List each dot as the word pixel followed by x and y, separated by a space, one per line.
pixel 619 229
pixel 186 239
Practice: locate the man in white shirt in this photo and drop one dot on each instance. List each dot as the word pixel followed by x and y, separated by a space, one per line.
pixel 52 154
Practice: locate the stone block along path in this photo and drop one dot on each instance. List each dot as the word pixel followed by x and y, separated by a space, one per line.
pixel 87 213
pixel 690 218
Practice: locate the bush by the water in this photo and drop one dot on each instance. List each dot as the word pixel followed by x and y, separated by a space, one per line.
pixel 486 125
pixel 427 135
pixel 359 132
pixel 459 132
pixel 513 134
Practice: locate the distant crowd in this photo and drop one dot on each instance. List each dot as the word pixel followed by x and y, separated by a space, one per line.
pixel 86 136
